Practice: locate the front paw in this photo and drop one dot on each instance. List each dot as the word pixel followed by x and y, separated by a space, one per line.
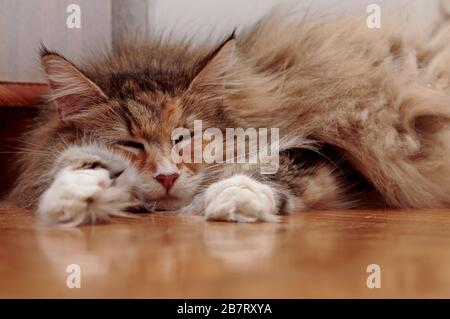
pixel 83 195
pixel 240 199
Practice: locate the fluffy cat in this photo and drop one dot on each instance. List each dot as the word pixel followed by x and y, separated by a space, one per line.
pixel 362 113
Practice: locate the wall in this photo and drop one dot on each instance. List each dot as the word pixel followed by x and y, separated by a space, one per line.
pixel 24 23
pixel 107 23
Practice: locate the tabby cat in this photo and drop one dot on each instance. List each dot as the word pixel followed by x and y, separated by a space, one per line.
pixel 362 113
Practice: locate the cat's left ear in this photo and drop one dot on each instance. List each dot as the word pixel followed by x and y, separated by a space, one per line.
pixel 212 74
pixel 71 90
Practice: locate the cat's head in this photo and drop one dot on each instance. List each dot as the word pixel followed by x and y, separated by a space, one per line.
pixel 132 103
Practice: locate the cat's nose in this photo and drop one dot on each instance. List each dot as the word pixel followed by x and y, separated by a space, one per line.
pixel 167 180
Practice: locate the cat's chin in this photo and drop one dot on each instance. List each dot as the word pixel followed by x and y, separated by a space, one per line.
pixel 168 203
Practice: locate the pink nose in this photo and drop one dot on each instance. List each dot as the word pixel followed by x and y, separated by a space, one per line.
pixel 167 180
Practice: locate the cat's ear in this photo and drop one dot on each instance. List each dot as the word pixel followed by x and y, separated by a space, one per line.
pixel 71 90
pixel 212 72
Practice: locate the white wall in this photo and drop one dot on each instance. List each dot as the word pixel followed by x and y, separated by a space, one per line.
pixel 206 19
pixel 105 23
pixel 24 23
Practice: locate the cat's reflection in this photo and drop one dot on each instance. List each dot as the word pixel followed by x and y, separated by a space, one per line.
pixel 96 253
pixel 166 253
pixel 241 245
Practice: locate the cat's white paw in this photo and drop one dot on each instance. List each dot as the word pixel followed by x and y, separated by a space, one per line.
pixel 79 196
pixel 240 198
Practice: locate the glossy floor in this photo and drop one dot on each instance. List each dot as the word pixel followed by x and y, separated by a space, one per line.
pixel 320 254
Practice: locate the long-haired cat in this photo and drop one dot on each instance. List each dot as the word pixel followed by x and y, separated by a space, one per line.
pixel 362 115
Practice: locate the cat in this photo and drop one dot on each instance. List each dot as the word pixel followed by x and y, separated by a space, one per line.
pixel 362 114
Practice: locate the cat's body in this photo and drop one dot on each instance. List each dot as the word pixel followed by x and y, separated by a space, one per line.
pixel 379 98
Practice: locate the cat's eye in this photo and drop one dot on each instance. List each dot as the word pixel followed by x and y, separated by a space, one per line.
pixel 133 145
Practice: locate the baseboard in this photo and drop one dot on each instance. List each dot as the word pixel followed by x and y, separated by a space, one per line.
pixel 17 94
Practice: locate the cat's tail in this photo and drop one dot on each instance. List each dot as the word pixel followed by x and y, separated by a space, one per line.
pixel 425 110
pixel 424 176
pixel 420 176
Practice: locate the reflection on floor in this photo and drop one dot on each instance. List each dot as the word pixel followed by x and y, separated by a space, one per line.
pixel 320 254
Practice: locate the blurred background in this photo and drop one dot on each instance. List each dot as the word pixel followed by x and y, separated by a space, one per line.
pixel 107 23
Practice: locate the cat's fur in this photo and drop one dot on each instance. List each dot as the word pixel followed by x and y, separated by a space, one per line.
pixel 378 99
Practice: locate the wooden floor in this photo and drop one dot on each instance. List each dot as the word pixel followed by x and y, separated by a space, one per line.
pixel 320 254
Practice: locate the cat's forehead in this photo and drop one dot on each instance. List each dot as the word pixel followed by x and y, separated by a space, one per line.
pixel 152 115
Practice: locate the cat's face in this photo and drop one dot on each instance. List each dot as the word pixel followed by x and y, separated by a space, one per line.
pixel 141 129
pixel 139 123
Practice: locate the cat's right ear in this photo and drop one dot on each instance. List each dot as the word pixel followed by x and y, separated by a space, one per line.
pixel 211 77
pixel 71 90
